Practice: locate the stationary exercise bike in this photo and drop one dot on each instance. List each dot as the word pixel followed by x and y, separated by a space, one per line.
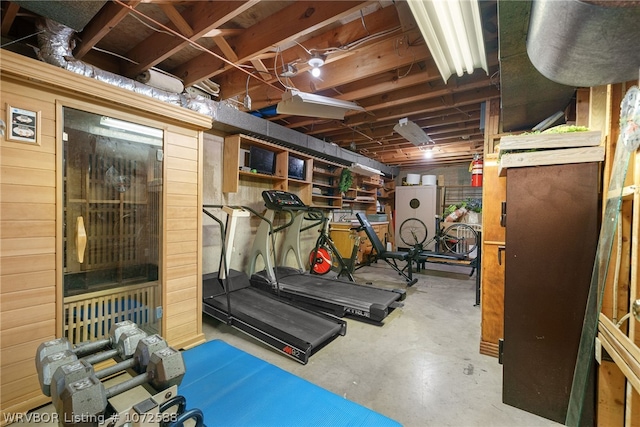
pixel 325 256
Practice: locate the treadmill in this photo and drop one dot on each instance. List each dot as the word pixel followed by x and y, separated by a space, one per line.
pixel 316 292
pixel 229 298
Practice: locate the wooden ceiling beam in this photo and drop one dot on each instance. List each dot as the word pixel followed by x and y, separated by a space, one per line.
pixel 468 131
pixel 226 48
pixel 8 16
pixel 202 18
pixel 287 25
pixel 402 146
pixel 405 97
pixel 100 25
pixel 382 20
pixel 174 16
pixel 454 100
pixel 371 60
pixel 382 128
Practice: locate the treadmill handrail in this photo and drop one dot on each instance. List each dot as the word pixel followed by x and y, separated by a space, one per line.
pixel 263 218
pixel 223 254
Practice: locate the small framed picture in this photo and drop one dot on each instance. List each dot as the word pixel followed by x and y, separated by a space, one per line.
pixel 23 125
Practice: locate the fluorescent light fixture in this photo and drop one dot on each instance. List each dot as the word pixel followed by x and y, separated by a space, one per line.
pixel 131 127
pixel 299 103
pixel 412 132
pixel 453 32
pixel 364 170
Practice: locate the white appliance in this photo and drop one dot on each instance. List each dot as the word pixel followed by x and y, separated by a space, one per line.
pixel 416 201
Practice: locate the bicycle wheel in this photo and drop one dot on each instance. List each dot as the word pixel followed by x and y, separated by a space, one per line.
pixel 413 232
pixel 460 239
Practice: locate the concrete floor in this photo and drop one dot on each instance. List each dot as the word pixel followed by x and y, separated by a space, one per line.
pixel 421 368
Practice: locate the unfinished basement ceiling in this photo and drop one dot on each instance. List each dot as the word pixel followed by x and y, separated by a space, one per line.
pixel 376 58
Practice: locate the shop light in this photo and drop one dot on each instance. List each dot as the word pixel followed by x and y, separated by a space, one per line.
pixel 299 103
pixel 364 170
pixel 412 132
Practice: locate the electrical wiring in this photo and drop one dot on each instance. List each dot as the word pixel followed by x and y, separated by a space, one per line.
pixel 192 43
pixel 20 39
pixel 149 26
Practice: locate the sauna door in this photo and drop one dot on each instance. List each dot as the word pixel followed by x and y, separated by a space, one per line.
pixel 112 209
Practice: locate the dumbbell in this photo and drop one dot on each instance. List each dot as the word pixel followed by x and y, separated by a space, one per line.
pixel 61 344
pixel 87 398
pixel 79 369
pixel 123 339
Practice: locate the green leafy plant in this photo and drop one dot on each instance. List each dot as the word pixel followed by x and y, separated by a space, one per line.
pixel 473 205
pixel 346 179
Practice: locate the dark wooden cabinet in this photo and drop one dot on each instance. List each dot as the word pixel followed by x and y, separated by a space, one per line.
pixel 551 236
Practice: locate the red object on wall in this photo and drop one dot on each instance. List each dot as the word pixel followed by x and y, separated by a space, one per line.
pixel 476 172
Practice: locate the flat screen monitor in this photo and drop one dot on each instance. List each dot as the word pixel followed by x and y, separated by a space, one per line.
pixel 263 161
pixel 296 168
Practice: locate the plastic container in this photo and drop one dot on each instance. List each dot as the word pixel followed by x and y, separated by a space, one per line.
pixel 413 179
pixel 428 180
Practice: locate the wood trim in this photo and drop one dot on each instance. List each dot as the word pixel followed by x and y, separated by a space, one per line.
pixel 627 354
pixel 162 271
pixel 190 343
pixel 551 157
pixel 489 349
pixel 48 77
pixel 59 215
pixel 23 404
pixel 199 234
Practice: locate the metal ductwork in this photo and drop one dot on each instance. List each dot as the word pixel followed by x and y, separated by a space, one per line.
pixel 230 120
pixel 585 43
pixel 55 47
pixel 528 97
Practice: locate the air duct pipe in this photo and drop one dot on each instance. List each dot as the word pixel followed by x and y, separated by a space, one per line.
pixel 56 45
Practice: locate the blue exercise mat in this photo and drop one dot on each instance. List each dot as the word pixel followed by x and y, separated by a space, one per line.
pixel 233 388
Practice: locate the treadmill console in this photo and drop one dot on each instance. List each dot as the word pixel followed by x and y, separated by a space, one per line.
pixel 279 200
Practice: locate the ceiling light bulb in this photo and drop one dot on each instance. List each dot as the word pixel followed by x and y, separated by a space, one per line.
pixel 315 72
pixel 428 153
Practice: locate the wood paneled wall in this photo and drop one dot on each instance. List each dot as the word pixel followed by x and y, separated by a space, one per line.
pixel 27 248
pixel 182 258
pixel 31 217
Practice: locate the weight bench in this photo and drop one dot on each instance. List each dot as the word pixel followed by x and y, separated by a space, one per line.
pixel 390 257
pixel 440 258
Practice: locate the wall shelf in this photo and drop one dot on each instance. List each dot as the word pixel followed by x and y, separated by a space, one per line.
pixel 320 174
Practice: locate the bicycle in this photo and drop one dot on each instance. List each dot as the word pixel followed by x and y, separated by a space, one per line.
pixel 457 239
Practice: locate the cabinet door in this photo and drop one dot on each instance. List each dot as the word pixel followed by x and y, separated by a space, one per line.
pixel 343 239
pixel 492 298
pixel 415 202
pixel 551 237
